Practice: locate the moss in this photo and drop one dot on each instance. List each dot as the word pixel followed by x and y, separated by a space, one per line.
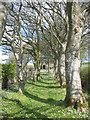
pixel 85 105
pixel 64 85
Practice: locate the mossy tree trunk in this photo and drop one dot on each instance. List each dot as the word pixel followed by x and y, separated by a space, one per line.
pixel 74 95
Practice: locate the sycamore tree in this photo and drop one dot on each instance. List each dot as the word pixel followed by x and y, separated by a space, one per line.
pixel 31 20
pixel 53 21
pixel 46 53
pixel 22 35
pixel 74 94
pixel 3 16
pixel 74 22
pixel 13 37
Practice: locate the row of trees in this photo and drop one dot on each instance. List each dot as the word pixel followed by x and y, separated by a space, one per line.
pixel 53 30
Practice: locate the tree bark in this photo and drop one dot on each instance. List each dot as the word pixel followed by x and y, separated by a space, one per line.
pixel 55 66
pixel 35 75
pixel 74 95
pixel 3 16
pixel 48 65
pixel 20 76
pixel 55 73
pixel 38 67
pixel 61 65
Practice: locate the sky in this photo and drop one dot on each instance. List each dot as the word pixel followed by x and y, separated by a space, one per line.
pixel 2 57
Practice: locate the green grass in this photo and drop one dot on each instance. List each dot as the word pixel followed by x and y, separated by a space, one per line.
pixel 42 99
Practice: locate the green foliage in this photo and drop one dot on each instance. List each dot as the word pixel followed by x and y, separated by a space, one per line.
pixel 85 74
pixel 41 100
pixel 8 71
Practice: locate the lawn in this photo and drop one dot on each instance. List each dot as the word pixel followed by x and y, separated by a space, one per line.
pixel 41 100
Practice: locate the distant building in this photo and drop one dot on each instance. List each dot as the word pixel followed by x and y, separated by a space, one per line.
pixel 44 65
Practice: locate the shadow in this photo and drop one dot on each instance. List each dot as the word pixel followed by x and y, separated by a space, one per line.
pixel 44 73
pixel 49 101
pixel 27 111
pixel 46 82
pixel 12 89
pixel 43 86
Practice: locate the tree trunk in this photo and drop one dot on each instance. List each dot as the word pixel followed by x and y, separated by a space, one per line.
pixel 61 65
pixel 74 95
pixel 21 86
pixel 48 65
pixel 55 73
pixel 55 66
pixel 20 76
pixel 35 76
pixel 21 80
pixel 38 52
pixel 3 16
pixel 61 70
pixel 38 68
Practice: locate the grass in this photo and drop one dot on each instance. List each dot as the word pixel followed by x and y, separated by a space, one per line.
pixel 41 100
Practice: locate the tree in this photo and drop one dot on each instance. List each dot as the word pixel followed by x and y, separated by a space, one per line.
pixel 46 53
pixel 13 37
pixel 74 95
pixel 53 22
pixel 31 20
pixel 3 17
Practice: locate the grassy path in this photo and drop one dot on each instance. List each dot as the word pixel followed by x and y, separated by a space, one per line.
pixel 42 99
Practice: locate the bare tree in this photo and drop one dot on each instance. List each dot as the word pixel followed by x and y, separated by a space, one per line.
pixel 3 17
pixel 74 95
pixel 13 37
pixel 55 23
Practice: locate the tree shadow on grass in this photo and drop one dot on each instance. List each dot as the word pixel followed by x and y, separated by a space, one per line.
pixel 46 82
pixel 43 86
pixel 13 89
pixel 49 101
pixel 27 111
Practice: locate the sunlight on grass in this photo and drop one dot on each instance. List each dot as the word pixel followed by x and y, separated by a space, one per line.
pixel 42 99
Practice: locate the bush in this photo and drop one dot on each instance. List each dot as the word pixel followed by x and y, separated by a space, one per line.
pixel 8 74
pixel 85 74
